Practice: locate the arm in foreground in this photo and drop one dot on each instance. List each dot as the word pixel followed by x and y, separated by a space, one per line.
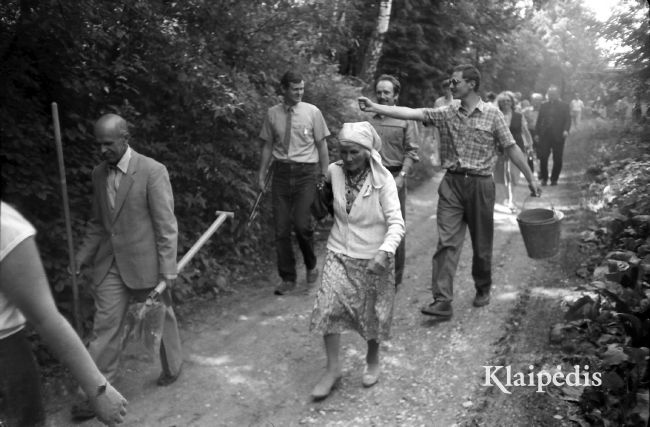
pixel 23 281
pixel 404 113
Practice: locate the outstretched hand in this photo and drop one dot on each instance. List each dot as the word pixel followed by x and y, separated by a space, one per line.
pixel 365 104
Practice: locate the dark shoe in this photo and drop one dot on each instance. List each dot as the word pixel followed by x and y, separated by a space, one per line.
pixel 544 182
pixel 82 411
pixel 438 308
pixel 285 287
pixel 165 379
pixel 481 299
pixel 312 275
pixel 553 182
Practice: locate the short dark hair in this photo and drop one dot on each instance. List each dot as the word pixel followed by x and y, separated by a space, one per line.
pixel 390 78
pixel 290 77
pixel 470 72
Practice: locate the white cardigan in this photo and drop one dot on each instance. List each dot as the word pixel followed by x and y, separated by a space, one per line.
pixel 375 221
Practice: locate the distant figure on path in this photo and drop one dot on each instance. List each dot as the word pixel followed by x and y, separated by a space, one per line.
pixel 576 106
pixel 357 291
pixel 131 242
pixel 399 151
pixel 25 295
pixel 553 124
pixel 472 134
pixel 293 136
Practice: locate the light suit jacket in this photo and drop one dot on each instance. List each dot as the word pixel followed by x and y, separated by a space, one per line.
pixel 141 233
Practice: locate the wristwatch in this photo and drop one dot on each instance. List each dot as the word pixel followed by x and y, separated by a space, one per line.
pixel 402 174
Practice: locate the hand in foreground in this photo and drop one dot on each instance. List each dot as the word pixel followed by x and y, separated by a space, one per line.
pixel 565 134
pixel 109 406
pixel 535 190
pixel 399 181
pixel 365 104
pixel 378 264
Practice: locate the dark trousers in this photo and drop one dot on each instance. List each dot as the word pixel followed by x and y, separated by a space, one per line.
pixel 21 403
pixel 400 253
pixel 465 202
pixel 293 188
pixel 546 146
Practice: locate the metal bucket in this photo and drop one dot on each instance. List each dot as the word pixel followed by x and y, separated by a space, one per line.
pixel 540 229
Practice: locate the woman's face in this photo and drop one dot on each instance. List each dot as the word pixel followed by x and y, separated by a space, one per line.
pixel 354 156
pixel 505 104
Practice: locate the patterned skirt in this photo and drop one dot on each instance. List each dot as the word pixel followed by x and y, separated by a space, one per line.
pixel 351 299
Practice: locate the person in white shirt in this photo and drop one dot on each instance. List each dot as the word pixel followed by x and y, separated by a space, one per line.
pixel 357 289
pixel 576 105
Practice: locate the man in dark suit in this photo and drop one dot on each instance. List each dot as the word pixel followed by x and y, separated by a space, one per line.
pixel 131 242
pixel 552 128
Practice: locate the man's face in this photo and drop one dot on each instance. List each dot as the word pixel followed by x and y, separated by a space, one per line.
pixel 460 87
pixel 385 93
pixel 536 102
pixel 112 146
pixel 553 94
pixel 293 93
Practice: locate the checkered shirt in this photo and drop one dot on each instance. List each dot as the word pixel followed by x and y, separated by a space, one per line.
pixel 470 140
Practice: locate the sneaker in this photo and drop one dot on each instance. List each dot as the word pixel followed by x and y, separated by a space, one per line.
pixel 481 299
pixel 438 308
pixel 312 275
pixel 285 287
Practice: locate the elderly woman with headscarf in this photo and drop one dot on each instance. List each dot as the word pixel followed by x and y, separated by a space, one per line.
pixel 357 288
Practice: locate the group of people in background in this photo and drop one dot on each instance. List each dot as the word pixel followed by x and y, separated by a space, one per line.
pixel 131 237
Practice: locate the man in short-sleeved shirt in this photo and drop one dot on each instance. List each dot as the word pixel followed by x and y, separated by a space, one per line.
pixel 471 135
pixel 293 136
pixel 399 150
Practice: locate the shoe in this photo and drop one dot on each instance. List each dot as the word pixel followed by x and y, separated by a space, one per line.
pixel 312 275
pixel 553 182
pixel 439 309
pixel 165 379
pixel 370 378
pixel 544 182
pixel 285 287
pixel 325 386
pixel 481 299
pixel 82 411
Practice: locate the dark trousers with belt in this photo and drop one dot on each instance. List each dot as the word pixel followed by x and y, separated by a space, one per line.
pixel 466 201
pixel 293 188
pixel 400 253
pixel 546 146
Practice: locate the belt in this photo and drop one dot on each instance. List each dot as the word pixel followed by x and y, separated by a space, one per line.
pixel 289 162
pixel 467 173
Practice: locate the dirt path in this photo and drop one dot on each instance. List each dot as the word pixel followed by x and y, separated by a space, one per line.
pixel 250 360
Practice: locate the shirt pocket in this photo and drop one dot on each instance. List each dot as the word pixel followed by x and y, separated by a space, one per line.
pixel 482 137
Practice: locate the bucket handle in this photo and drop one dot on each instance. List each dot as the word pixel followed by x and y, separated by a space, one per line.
pixel 523 205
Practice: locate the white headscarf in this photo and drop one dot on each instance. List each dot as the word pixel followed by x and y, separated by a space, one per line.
pixel 365 135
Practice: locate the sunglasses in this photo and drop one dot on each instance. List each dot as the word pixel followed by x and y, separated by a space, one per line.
pixel 455 82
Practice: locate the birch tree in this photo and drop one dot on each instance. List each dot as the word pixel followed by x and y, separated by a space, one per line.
pixel 376 42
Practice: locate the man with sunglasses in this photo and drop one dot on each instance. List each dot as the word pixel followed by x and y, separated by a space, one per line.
pixel 472 134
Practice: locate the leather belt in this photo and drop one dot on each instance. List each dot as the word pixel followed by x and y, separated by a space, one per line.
pixel 467 173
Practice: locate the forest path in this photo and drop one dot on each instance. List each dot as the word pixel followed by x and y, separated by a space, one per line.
pixel 251 361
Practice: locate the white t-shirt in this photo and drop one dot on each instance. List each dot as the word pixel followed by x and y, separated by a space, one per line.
pixel 14 229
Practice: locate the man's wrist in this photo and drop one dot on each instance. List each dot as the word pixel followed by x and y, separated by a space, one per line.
pixel 403 173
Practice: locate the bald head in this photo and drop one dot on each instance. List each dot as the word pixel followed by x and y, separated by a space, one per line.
pixel 553 93
pixel 112 136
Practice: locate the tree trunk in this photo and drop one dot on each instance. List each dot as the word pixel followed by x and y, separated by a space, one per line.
pixel 373 52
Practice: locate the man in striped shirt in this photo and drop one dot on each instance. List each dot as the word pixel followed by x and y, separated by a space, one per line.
pixel 471 134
